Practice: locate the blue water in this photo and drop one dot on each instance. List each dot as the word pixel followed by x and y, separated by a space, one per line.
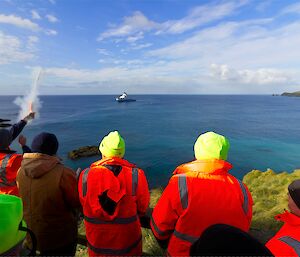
pixel 160 130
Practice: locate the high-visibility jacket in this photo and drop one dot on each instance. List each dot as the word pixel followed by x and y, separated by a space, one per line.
pixel 200 194
pixel 287 240
pixel 114 231
pixel 9 166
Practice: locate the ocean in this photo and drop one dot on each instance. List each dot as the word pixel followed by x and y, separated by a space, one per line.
pixel 160 130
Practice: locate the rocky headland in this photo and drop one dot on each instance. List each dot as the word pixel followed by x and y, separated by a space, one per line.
pixel 297 93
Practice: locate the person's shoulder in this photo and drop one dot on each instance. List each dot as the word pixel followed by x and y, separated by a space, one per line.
pixel 67 169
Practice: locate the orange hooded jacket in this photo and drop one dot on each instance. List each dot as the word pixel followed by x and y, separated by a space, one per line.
pixel 287 240
pixel 9 166
pixel 200 194
pixel 113 194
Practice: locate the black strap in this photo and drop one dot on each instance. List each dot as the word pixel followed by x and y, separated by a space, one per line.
pixel 115 169
pixel 32 236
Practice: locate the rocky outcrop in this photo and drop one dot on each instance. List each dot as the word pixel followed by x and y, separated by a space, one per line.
pixel 85 151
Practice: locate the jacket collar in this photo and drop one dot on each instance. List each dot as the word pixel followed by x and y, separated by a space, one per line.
pixel 213 167
pixel 113 161
pixel 289 218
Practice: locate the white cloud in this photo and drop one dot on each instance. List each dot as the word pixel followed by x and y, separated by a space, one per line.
pixel 138 23
pixel 19 22
pixel 82 75
pixel 293 8
pixel 141 46
pixel 263 5
pixel 11 50
pixel 256 77
pixel 131 25
pixel 136 37
pixel 35 15
pixel 201 15
pixel 51 32
pixel 103 51
pixel 250 44
pixel 32 41
pixel 51 18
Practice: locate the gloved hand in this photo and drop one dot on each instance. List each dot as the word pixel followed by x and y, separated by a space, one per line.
pixel 29 117
pixel 22 140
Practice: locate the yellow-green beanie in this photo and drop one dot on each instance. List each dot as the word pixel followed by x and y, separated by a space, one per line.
pixel 211 146
pixel 11 215
pixel 113 145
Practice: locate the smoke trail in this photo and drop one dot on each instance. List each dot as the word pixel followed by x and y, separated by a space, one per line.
pixel 31 101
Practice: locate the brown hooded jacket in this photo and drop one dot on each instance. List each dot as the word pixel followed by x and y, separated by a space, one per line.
pixel 50 196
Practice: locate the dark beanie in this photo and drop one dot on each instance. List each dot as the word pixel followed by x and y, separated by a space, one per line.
pixel 45 143
pixel 225 240
pixel 294 191
pixel 5 139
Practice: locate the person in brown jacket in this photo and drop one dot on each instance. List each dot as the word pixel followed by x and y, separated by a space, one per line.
pixel 50 196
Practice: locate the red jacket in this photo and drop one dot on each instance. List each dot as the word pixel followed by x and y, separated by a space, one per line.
pixel 287 240
pixel 9 166
pixel 113 194
pixel 200 194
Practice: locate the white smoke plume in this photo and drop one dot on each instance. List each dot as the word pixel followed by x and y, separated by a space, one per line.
pixel 30 102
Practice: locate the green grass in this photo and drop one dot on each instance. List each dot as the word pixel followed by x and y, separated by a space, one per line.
pixel 269 192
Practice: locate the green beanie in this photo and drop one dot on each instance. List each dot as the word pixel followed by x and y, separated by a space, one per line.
pixel 211 146
pixel 11 215
pixel 113 145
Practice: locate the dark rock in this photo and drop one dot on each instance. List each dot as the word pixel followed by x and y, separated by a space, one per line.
pixel 85 151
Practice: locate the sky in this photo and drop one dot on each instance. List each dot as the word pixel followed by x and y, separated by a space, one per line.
pixel 150 46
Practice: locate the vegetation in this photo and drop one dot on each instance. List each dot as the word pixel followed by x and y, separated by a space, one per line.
pixel 269 192
pixel 297 93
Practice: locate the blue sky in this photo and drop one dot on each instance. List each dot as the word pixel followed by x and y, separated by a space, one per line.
pixel 150 47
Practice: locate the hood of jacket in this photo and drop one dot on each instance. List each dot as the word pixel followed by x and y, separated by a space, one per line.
pixel 105 200
pixel 213 167
pixel 37 165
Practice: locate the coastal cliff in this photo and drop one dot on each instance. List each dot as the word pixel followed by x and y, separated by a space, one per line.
pixel 297 93
pixel 269 192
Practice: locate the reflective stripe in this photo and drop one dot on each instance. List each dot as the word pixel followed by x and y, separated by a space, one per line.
pixel 114 251
pixel 295 244
pixel 14 183
pixel 84 182
pixel 135 175
pixel 115 221
pixel 185 237
pixel 183 190
pixel 158 231
pixel 245 195
pixel 3 168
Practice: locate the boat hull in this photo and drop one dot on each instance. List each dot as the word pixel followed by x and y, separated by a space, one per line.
pixel 125 100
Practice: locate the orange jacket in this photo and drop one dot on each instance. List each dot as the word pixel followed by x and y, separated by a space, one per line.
pixel 9 166
pixel 200 194
pixel 113 194
pixel 287 240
